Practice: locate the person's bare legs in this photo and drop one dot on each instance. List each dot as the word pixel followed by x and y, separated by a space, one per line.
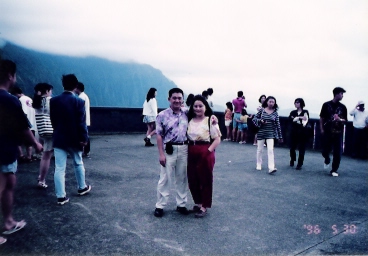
pixel 238 137
pixel 44 165
pixel 7 197
pixel 29 150
pixel 228 132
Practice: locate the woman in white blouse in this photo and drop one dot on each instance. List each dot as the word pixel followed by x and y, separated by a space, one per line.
pixel 150 113
pixel 203 138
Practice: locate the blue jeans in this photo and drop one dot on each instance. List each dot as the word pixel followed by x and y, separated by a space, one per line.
pixel 60 165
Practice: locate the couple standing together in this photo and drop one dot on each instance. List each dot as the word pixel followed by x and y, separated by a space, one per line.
pixel 186 141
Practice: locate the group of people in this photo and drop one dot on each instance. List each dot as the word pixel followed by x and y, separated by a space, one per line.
pixel 333 117
pixel 62 128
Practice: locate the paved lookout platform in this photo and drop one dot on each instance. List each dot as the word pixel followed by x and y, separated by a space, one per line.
pixel 292 212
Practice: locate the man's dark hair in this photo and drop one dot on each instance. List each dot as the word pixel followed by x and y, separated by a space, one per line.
pixel 337 90
pixel 208 111
pixel 80 86
pixel 240 94
pixel 210 91
pixel 15 90
pixel 69 82
pixel 175 90
pixel 6 67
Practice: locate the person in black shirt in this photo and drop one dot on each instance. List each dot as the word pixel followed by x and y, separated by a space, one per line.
pixel 333 117
pixel 298 137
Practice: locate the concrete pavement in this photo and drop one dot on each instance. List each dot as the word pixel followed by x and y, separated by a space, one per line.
pixel 292 212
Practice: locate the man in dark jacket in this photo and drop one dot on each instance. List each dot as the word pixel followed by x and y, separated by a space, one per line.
pixel 14 129
pixel 68 118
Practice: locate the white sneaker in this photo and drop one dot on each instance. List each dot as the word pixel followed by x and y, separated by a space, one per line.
pixel 272 171
pixel 326 166
pixel 334 174
pixel 258 168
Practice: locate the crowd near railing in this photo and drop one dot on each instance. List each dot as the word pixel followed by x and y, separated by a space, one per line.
pixel 112 120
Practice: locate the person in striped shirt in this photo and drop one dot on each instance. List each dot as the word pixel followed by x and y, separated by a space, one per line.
pixel 267 119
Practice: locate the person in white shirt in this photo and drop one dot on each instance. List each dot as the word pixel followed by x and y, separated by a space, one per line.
pixel 30 113
pixel 360 130
pixel 150 113
pixel 81 94
pixel 209 98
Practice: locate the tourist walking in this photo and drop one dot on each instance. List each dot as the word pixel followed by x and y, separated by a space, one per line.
pixel 203 138
pixel 14 127
pixel 41 104
pixel 267 119
pixel 332 120
pixel 150 113
pixel 68 118
pixel 298 136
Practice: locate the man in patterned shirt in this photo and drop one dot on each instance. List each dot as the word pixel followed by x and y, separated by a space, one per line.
pixel 171 129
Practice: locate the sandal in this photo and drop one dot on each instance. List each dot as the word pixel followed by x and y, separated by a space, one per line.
pixel 2 240
pixel 18 226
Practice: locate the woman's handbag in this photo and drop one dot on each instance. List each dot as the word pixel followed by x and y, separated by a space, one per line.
pixel 308 130
pixel 44 126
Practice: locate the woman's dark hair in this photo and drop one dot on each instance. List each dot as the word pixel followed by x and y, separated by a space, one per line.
pixel 260 98
pixel 208 111
pixel 264 105
pixel 189 99
pixel 150 94
pixel 40 89
pixel 244 112
pixel 229 105
pixel 301 101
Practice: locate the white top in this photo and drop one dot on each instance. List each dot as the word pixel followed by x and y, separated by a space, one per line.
pixel 84 97
pixel 150 107
pixel 210 101
pixel 359 120
pixel 29 110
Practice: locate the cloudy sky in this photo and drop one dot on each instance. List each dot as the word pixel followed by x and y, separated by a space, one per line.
pixel 284 48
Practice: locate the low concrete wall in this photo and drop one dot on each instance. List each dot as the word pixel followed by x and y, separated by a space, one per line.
pixel 109 120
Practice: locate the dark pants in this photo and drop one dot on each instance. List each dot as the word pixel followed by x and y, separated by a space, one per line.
pixel 87 148
pixel 360 143
pixel 298 140
pixel 332 141
pixel 200 174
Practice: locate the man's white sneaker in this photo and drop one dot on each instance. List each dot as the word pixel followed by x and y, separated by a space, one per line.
pixel 258 168
pixel 334 174
pixel 326 166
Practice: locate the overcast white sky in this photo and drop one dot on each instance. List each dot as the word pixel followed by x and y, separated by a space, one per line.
pixel 284 48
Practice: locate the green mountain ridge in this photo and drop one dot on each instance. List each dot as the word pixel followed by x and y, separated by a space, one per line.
pixel 107 83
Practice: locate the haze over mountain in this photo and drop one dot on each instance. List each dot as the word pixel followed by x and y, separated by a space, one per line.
pixel 107 83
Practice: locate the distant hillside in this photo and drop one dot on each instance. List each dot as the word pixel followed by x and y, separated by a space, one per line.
pixel 108 83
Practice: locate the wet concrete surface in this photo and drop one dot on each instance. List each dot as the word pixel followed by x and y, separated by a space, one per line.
pixel 292 212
